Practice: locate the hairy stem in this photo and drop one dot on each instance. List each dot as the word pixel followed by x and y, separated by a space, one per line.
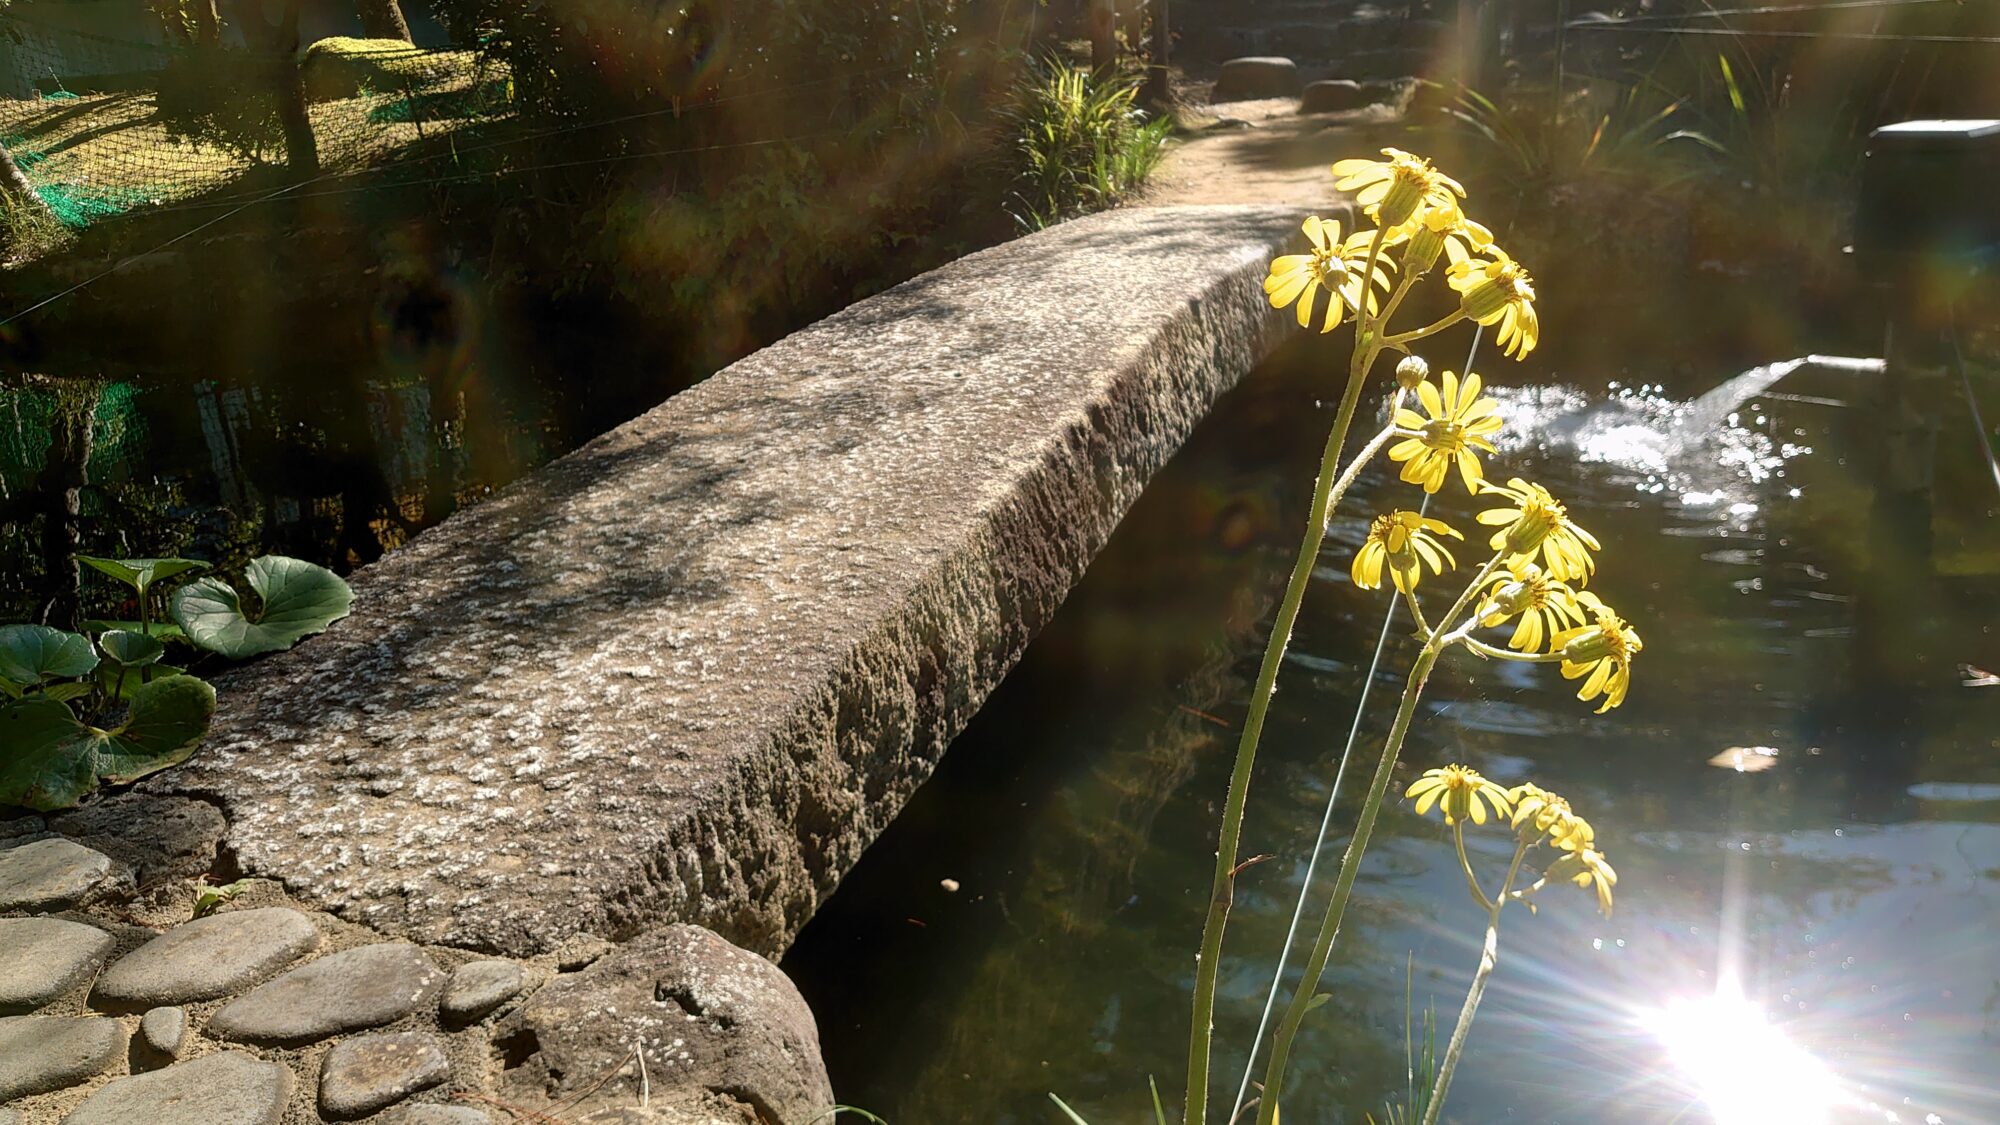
pixel 1367 345
pixel 1489 955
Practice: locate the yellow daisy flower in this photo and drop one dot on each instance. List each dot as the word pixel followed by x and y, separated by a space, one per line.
pixel 1459 423
pixel 1585 866
pixel 1603 650
pixel 1539 813
pixel 1546 605
pixel 1407 542
pixel 1392 191
pixel 1333 266
pixel 1539 522
pixel 1442 231
pixel 1460 793
pixel 1497 288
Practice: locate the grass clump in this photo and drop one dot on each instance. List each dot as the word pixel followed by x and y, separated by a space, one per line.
pixel 1081 143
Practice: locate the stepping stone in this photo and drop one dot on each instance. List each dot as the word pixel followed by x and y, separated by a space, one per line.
pixel 43 1053
pixel 207 958
pixel 478 987
pixel 1332 96
pixel 49 874
pixel 432 1115
pixel 227 1088
pixel 346 991
pixel 1256 77
pixel 162 1030
pixel 372 1072
pixel 45 958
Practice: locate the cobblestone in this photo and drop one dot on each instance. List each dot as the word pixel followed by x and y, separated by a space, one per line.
pixel 227 1088
pixel 43 1053
pixel 371 1072
pixel 49 874
pixel 346 991
pixel 208 958
pixel 46 957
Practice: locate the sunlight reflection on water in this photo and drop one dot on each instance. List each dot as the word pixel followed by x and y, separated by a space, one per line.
pixel 1746 1070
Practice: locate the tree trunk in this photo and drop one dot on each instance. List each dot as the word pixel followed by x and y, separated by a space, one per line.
pixel 281 42
pixel 1103 35
pixel 1159 93
pixel 64 473
pixel 207 26
pixel 14 183
pixel 383 19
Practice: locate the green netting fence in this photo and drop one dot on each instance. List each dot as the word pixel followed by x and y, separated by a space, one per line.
pixel 105 113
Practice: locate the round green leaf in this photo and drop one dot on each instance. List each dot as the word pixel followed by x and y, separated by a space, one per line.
pixel 130 650
pixel 299 598
pixel 141 573
pixel 165 630
pixel 31 654
pixel 54 761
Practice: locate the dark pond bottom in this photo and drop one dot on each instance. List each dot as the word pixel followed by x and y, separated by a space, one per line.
pixel 1808 942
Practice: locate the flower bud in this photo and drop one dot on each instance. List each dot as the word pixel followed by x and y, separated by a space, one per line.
pixel 1411 372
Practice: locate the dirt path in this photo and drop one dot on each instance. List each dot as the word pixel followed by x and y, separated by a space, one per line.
pixel 1267 152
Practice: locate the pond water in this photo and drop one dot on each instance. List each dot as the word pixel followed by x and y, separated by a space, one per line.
pixel 1810 939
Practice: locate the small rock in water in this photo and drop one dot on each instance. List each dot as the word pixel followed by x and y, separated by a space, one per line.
pixel 1746 759
pixel 49 874
pixel 950 885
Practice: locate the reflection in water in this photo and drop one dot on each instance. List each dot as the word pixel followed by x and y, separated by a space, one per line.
pixel 1745 1070
pixel 1848 881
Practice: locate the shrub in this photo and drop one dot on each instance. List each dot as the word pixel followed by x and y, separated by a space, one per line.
pixel 1080 141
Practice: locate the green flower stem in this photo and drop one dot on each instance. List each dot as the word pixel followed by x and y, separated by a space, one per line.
pixel 1350 867
pixel 1465 865
pixel 1488 956
pixel 1364 827
pixel 1431 329
pixel 1483 649
pixel 1367 346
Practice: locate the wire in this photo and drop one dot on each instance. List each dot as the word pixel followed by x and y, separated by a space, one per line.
pixel 1860 36
pixel 1326 818
pixel 1776 10
pixel 1965 381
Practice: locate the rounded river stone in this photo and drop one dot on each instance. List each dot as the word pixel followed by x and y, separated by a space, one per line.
pixel 49 874
pixel 162 1029
pixel 227 1088
pixel 370 1072
pixel 44 958
pixel 346 991
pixel 43 1053
pixel 432 1115
pixel 207 958
pixel 478 987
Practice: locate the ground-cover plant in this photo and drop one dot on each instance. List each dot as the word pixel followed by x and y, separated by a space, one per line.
pixel 1540 559
pixel 103 706
pixel 1081 141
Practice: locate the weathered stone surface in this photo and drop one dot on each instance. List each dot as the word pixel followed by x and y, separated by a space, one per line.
pixel 226 1088
pixel 162 1029
pixel 437 1115
pixel 49 874
pixel 1332 96
pixel 9 1116
pixel 1262 76
pixel 715 1020
pixel 207 958
pixel 43 1053
pixel 478 987
pixel 371 1072
pixel 160 837
pixel 42 958
pixel 689 671
pixel 345 991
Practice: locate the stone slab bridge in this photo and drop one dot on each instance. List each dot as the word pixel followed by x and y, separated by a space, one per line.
pixel 678 678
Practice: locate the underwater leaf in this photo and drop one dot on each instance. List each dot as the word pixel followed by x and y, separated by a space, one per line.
pixel 130 650
pixel 55 760
pixel 30 654
pixel 299 598
pixel 140 574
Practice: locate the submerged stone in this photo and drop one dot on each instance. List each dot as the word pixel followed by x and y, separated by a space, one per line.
pixel 44 958
pixel 346 991
pixel 207 958
pixel 49 874
pixel 227 1088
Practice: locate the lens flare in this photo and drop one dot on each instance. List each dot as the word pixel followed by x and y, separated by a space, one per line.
pixel 1747 1071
